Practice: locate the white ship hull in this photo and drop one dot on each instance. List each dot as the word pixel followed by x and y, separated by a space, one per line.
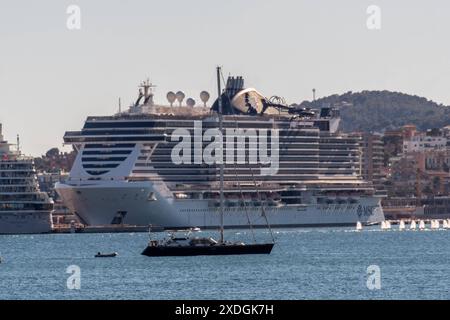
pixel 23 222
pixel 98 204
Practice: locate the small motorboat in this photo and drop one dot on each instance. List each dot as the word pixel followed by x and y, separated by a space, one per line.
pixel 106 255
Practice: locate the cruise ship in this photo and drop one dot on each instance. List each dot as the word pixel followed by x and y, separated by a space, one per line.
pixel 159 165
pixel 24 209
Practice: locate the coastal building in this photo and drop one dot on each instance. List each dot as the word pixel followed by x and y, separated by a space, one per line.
pixel 371 167
pixel 420 174
pixel 392 144
pixel 430 140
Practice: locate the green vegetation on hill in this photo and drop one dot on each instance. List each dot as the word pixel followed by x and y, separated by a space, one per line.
pixel 378 111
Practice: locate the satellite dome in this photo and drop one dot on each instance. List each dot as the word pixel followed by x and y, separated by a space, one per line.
pixel 190 102
pixel 180 96
pixel 204 96
pixel 171 97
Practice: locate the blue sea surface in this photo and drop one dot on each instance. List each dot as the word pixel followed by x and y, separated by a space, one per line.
pixel 321 263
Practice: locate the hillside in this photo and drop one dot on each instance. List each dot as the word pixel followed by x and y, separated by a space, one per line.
pixel 381 110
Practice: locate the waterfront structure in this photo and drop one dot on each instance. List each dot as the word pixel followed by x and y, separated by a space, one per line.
pixel 125 171
pixel 23 207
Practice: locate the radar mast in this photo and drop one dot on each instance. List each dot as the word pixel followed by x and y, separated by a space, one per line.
pixel 147 87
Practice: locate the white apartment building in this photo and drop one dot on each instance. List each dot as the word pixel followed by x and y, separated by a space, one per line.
pixel 423 142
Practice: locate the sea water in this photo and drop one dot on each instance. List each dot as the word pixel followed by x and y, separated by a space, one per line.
pixel 319 263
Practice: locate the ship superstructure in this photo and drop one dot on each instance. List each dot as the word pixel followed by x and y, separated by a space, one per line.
pixel 24 209
pixel 159 165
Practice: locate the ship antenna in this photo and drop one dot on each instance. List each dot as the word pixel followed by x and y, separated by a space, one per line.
pixel 148 91
pixel 219 91
pixel 18 144
pixel 120 105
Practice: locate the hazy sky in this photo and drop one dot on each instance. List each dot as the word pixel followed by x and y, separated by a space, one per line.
pixel 52 78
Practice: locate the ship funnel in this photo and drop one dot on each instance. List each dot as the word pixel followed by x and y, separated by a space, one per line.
pixel 234 85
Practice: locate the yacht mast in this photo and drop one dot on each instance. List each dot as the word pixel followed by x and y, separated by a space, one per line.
pixel 219 91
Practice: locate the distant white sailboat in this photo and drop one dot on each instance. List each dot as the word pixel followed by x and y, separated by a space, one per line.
pixel 383 225
pixel 358 226
pixel 388 225
pixel 401 225
pixel 444 224
pixel 421 225
pixel 413 225
pixel 437 224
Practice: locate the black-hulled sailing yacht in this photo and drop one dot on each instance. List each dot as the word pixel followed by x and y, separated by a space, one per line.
pixel 189 245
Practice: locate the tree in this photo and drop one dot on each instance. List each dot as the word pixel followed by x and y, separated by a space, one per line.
pixel 53 152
